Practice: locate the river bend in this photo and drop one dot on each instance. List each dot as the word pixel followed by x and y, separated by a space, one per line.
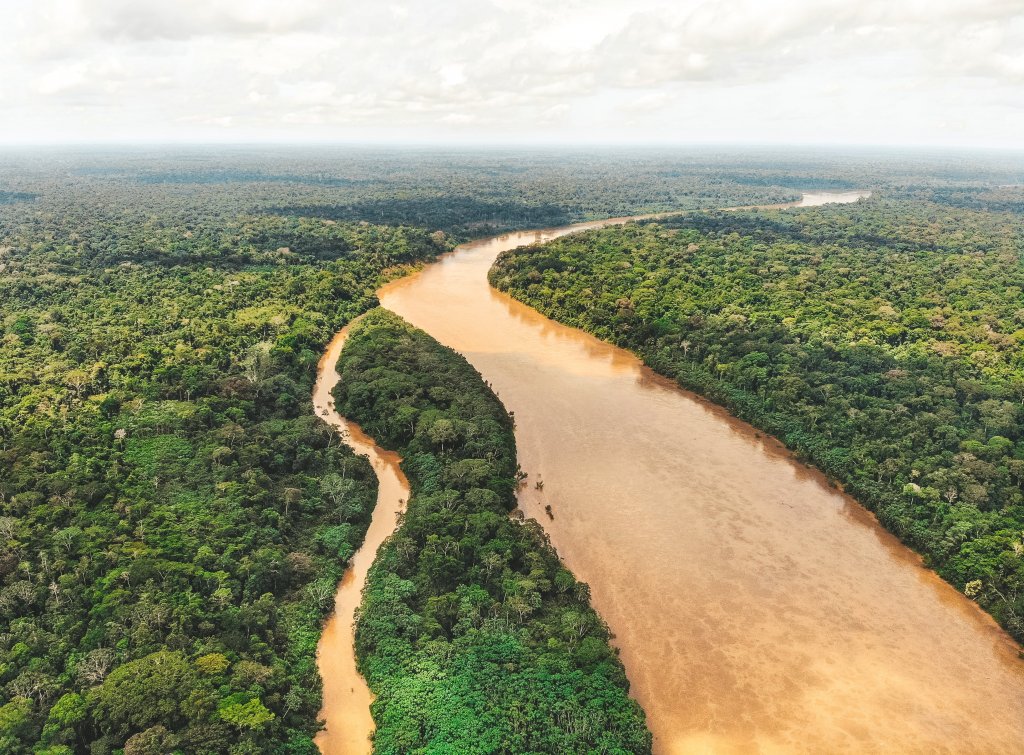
pixel 756 609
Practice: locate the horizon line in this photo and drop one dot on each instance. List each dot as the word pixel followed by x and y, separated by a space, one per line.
pixel 498 144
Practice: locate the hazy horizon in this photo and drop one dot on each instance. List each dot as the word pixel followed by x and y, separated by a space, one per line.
pixel 539 146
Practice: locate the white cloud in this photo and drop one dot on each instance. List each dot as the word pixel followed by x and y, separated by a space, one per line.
pixel 61 79
pixel 900 71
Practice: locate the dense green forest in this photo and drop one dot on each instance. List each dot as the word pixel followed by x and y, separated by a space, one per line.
pixel 471 634
pixel 881 341
pixel 469 193
pixel 169 542
pixel 465 193
pixel 168 536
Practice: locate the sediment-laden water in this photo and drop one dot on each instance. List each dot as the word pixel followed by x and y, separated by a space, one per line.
pixel 756 608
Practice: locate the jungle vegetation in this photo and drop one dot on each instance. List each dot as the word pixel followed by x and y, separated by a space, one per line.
pixel 471 634
pixel 173 519
pixel 881 341
pixel 468 193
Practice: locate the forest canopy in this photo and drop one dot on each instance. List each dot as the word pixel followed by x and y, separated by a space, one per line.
pixel 167 552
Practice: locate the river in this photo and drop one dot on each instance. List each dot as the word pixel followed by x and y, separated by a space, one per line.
pixel 346 698
pixel 756 608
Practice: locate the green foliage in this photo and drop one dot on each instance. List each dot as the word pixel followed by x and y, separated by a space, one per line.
pixel 15 723
pixel 165 489
pixel 472 635
pixel 215 195
pixel 65 716
pixel 881 341
pixel 165 538
pixel 144 692
pixel 212 663
pixel 251 714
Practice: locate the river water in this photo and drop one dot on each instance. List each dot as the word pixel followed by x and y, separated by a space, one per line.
pixel 756 609
pixel 346 698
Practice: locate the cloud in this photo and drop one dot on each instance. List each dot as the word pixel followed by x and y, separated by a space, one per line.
pixel 131 21
pixel 494 70
pixel 747 41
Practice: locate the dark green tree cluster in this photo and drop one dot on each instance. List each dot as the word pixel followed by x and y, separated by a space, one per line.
pixel 10 197
pixel 472 635
pixel 173 518
pixel 881 341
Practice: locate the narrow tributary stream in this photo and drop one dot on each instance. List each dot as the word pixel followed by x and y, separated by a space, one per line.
pixel 346 706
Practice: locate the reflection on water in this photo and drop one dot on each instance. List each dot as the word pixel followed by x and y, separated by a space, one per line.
pixel 756 608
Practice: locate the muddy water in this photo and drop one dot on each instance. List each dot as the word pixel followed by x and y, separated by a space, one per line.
pixel 808 199
pixel 757 610
pixel 346 700
pixel 818 198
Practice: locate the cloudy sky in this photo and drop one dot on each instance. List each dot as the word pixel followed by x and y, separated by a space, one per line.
pixel 931 72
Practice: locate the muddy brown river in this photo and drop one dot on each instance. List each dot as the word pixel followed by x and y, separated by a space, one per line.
pixel 346 698
pixel 756 609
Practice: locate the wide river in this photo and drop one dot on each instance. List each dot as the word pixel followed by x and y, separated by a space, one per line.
pixel 756 608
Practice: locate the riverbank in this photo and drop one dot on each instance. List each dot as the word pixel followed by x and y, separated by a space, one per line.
pixel 755 607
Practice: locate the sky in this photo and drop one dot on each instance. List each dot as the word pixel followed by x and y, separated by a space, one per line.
pixel 876 72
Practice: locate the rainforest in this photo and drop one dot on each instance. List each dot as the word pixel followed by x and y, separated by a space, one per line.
pixel 694 463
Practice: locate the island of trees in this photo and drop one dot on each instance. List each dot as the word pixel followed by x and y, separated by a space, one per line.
pixel 471 634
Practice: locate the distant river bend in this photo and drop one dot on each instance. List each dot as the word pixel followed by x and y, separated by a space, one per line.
pixel 756 609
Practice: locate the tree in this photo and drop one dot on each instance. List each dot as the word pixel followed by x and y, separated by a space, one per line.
pixel 143 693
pixel 442 431
pixel 156 740
pixel 252 715
pixel 212 663
pixel 77 380
pixel 256 365
pixel 93 668
pixel 338 489
pixel 65 714
pixel 15 720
